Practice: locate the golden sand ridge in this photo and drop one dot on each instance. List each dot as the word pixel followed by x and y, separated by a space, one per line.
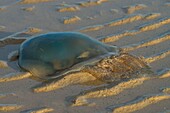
pixel 132 9
pixel 141 103
pixel 91 28
pixel 39 110
pixel 166 90
pixel 113 38
pixel 9 107
pixel 32 30
pixel 68 9
pixel 152 16
pixel 155 25
pixel 91 3
pixel 28 8
pixel 157 57
pixel 126 20
pixel 121 21
pixel 71 20
pixel 165 75
pixel 162 38
pixel 33 1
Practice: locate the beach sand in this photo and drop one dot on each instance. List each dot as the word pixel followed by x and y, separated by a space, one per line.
pixel 138 27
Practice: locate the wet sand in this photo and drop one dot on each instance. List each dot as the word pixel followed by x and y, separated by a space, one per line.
pixel 140 28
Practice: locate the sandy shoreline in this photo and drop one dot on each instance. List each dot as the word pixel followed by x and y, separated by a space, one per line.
pixel 138 27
